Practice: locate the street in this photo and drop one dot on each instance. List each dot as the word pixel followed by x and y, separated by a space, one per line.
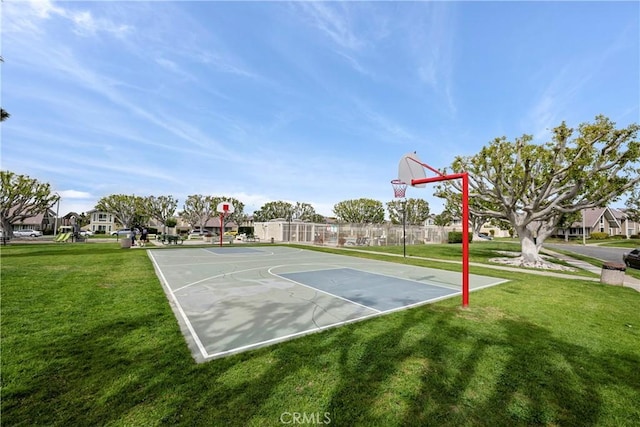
pixel 600 252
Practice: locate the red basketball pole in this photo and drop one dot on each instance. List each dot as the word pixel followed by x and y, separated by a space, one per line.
pixel 465 222
pixel 221 227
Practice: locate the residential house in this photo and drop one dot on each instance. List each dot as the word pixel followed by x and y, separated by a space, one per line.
pixel 44 222
pixel 213 225
pixel 102 222
pixel 612 221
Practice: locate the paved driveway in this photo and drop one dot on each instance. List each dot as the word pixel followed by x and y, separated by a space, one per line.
pixel 600 252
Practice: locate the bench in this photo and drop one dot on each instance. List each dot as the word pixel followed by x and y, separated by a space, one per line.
pixel 77 237
pixel 168 239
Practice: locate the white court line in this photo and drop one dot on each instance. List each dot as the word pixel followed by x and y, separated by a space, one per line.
pixel 409 280
pixel 230 273
pixel 296 334
pixel 333 325
pixel 490 284
pixel 376 313
pixel 184 316
pixel 238 254
pixel 319 290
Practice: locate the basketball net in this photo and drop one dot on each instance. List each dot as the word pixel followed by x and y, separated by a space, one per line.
pixel 399 188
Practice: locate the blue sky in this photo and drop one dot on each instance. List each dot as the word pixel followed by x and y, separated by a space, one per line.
pixel 313 102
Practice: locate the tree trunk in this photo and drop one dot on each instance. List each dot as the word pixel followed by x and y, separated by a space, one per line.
pixel 476 230
pixel 530 250
pixel 530 245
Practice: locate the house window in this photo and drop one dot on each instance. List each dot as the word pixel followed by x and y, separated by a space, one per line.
pixel 102 217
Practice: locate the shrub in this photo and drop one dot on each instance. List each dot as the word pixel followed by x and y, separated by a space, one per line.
pixel 248 231
pixel 618 237
pixel 635 236
pixel 456 237
pixel 597 235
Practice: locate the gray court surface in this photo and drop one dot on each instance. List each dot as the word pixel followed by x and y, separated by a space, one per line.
pixel 232 299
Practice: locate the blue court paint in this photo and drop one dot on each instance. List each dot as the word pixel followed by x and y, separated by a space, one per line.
pixel 234 250
pixel 372 290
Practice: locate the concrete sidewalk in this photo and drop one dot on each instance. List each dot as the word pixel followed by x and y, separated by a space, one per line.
pixel 629 282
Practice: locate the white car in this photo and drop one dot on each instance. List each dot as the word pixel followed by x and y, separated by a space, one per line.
pixel 198 232
pixel 86 233
pixel 122 232
pixel 27 233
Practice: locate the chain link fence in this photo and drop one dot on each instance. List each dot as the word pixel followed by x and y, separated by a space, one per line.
pixel 361 234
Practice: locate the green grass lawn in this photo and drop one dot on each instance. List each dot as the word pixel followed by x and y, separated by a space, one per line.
pixel 619 243
pixel 479 252
pixel 88 338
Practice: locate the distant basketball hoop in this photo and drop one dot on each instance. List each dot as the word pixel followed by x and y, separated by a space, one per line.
pixel 224 209
pixel 399 188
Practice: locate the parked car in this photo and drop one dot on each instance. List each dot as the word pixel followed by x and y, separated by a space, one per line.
pixel 632 259
pixel 198 232
pixel 86 233
pixel 485 236
pixel 122 232
pixel 27 233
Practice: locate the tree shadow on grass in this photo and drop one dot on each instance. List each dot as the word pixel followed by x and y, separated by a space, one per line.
pixel 424 366
pixel 542 380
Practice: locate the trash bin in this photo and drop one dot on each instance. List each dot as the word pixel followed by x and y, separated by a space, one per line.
pixel 272 240
pixel 125 242
pixel 613 273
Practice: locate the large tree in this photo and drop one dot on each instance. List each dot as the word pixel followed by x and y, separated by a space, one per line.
pixel 632 206
pixel 304 212
pixel 198 209
pixel 453 205
pixel 285 210
pixel 534 186
pixel 417 211
pixel 128 209
pixel 360 211
pixel 161 208
pixel 22 197
pixel 273 210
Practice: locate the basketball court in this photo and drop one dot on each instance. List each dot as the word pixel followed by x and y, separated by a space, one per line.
pixel 232 299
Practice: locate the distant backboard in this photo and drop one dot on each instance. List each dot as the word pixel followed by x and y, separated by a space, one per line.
pixel 225 208
pixel 411 167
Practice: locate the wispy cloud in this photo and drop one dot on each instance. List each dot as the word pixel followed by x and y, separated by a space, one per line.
pixel 33 12
pixel 74 194
pixel 334 24
pixel 563 82
pixel 432 45
pixel 384 126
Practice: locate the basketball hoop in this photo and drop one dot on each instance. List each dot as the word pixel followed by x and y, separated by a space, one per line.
pixel 399 188
pixel 225 208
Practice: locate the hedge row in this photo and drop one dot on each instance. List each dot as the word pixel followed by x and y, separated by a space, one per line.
pixel 456 237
